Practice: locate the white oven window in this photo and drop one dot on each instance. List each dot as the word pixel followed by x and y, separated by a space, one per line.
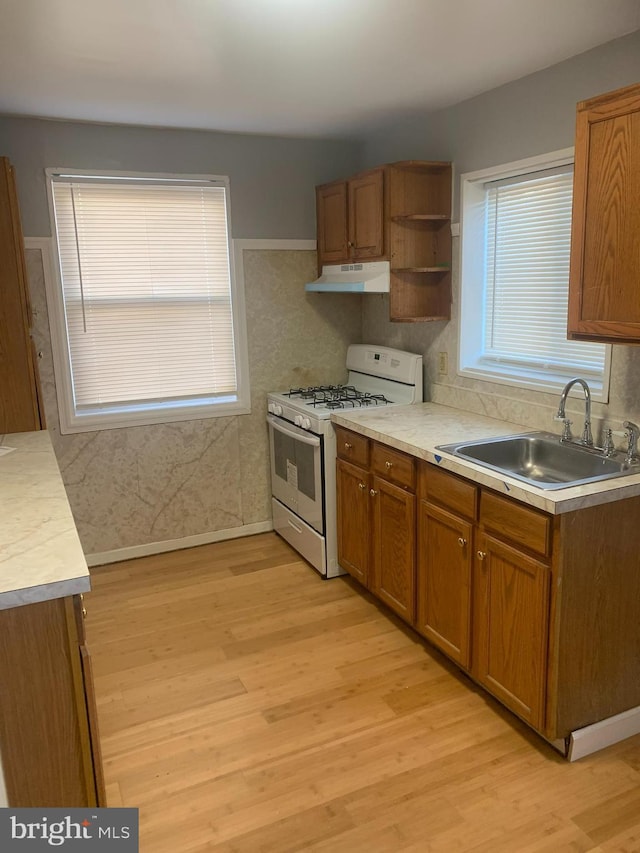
pixel 296 471
pixel 295 463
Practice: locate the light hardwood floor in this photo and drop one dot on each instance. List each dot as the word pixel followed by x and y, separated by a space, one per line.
pixel 247 705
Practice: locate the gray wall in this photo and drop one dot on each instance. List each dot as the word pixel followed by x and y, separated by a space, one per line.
pixel 272 178
pixel 533 115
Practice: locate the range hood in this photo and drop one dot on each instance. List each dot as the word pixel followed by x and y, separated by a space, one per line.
pixel 371 277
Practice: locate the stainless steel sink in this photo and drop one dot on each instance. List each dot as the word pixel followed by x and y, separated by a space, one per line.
pixel 542 460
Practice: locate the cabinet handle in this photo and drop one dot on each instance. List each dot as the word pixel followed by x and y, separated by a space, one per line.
pixel 462 542
pixel 482 555
pixel 389 465
pixel 373 492
pixel 348 446
pixel 362 485
pixel 84 612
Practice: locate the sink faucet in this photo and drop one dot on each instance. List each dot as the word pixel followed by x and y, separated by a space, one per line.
pixel 587 437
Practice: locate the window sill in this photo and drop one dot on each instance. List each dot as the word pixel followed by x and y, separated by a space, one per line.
pixel 540 382
pixel 92 421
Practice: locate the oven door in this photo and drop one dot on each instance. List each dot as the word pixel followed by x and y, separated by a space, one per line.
pixel 296 470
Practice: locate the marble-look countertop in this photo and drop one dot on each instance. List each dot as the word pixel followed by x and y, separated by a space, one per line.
pixel 40 553
pixel 419 428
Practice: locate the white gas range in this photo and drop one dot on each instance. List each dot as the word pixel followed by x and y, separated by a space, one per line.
pixel 303 445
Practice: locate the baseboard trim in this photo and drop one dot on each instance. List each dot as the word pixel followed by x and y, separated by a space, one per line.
pixel 605 733
pixel 150 548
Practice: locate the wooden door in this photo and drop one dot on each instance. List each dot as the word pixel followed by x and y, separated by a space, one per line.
pixel 394 513
pixel 511 627
pixel 354 520
pixel 366 224
pixel 331 213
pixel 445 549
pixel 605 246
pixel 86 695
pixel 92 720
pixel 44 731
pixel 19 406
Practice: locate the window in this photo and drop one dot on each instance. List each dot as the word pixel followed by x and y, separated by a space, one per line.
pixel 147 324
pixel 516 235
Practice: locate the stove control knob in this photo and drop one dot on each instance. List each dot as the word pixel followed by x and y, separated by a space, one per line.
pixel 306 423
pixel 271 408
pixel 277 409
pixel 298 420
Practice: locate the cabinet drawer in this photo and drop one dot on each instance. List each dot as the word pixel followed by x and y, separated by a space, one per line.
pixel 352 447
pixel 448 490
pixel 393 465
pixel 526 527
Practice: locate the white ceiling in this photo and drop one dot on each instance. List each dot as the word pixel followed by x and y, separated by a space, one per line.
pixel 290 67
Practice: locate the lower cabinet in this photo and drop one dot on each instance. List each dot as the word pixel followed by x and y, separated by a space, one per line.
pixel 511 627
pixel 394 545
pixel 445 551
pixel 541 610
pixel 447 510
pixel 354 520
pixel 48 726
pixel 377 519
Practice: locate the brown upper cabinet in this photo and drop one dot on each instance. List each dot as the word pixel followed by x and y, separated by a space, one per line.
pixel 400 212
pixel 605 240
pixel 350 222
pixel 20 406
pixel 332 224
pixel 366 225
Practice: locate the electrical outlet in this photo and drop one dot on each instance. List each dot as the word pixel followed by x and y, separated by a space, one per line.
pixel 443 362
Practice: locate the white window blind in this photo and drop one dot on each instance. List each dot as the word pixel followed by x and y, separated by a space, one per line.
pixel 528 235
pixel 147 294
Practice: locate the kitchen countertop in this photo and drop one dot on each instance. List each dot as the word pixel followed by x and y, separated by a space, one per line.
pixel 40 553
pixel 418 428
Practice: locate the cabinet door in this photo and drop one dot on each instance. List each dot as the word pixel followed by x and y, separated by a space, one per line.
pixel 394 537
pixel 92 720
pixel 87 696
pixel 331 212
pixel 44 732
pixel 19 402
pixel 603 292
pixel 511 627
pixel 366 227
pixel 444 581
pixel 354 525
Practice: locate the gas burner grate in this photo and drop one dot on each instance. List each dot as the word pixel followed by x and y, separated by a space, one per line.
pixel 328 390
pixel 304 393
pixel 337 396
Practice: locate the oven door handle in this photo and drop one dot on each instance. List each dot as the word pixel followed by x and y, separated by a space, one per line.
pixel 299 435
